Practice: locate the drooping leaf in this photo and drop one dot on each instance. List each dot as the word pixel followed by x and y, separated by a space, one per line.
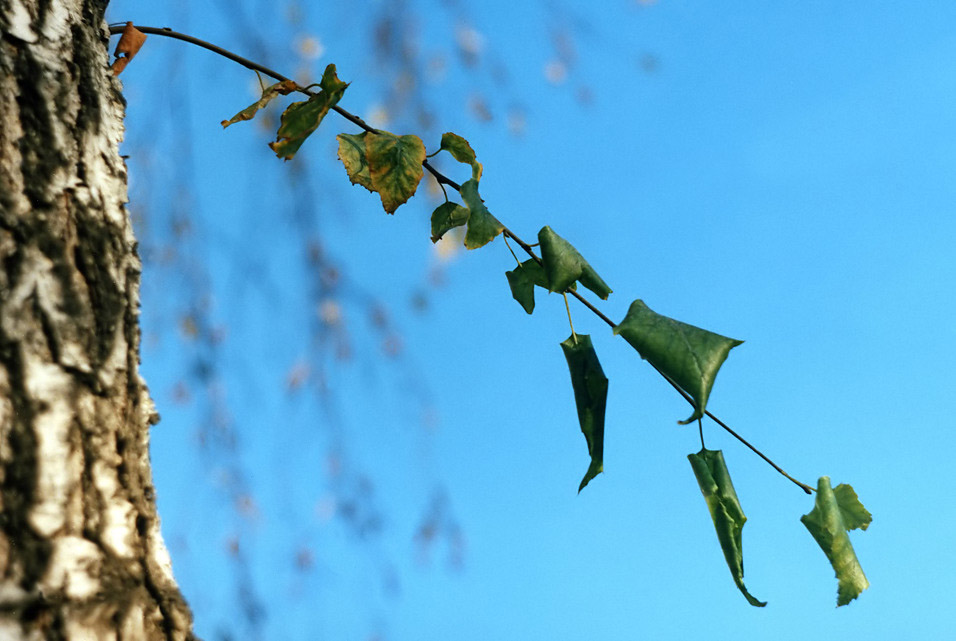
pixel 395 167
pixel 688 355
pixel 725 511
pixel 564 265
pixel 482 226
pixel 522 280
pixel 447 215
pixel 590 397
pixel 268 95
pixel 300 119
pixel 352 155
pixel 835 512
pixel 128 46
pixel 462 152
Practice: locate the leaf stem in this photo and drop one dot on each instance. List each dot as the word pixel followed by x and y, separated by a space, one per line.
pixel 513 254
pixel 442 180
pixel 570 322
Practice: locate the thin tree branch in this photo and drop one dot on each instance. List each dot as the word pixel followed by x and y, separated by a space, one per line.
pixel 442 179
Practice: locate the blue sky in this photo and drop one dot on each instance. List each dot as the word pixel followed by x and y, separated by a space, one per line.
pixel 783 176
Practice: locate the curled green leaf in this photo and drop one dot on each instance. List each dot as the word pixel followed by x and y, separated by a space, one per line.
pixel 300 119
pixel 835 512
pixel 482 226
pixel 458 147
pixel 461 150
pixel 564 265
pixel 268 95
pixel 688 355
pixel 395 167
pixel 725 511
pixel 590 397
pixel 522 280
pixel 352 155
pixel 447 215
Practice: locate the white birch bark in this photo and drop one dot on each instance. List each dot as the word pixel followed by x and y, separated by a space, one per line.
pixel 81 555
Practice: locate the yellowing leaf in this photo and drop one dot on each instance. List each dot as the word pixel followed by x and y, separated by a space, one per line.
pixel 590 397
pixel 395 167
pixel 564 265
pixel 458 147
pixel 835 512
pixel 725 511
pixel 268 95
pixel 688 355
pixel 300 119
pixel 352 155
pixel 462 152
pixel 482 226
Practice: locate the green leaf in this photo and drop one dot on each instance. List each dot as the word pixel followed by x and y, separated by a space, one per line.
pixel 352 155
pixel 268 95
pixel 395 167
pixel 718 490
pixel 300 119
pixel 462 152
pixel 447 215
pixel 590 396
pixel 564 265
pixel 482 226
pixel 837 511
pixel 688 355
pixel 522 280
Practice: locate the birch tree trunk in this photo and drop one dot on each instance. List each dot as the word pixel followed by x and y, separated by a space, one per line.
pixel 81 555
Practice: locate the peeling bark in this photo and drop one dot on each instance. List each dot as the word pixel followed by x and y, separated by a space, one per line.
pixel 81 556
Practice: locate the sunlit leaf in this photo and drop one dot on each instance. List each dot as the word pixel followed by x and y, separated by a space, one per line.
pixel 395 167
pixel 268 95
pixel 300 119
pixel 447 215
pixel 352 155
pixel 462 152
pixel 835 512
pixel 482 226
pixel 590 397
pixel 688 355
pixel 564 265
pixel 725 511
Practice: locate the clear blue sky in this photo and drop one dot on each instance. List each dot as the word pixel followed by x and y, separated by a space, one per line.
pixel 784 176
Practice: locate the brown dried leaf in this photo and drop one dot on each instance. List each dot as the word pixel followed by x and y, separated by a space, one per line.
pixel 118 65
pixel 128 46
pixel 130 42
